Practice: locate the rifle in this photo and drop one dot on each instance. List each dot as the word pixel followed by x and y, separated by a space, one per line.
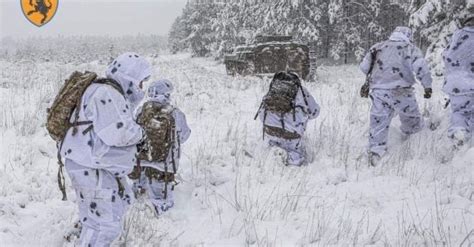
pixel 364 90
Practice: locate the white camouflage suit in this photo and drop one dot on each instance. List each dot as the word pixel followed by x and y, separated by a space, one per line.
pixel 97 160
pixel 398 63
pixel 459 83
pixel 295 149
pixel 160 92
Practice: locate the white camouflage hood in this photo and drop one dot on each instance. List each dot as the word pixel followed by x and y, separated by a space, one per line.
pixel 401 34
pixel 160 91
pixel 129 69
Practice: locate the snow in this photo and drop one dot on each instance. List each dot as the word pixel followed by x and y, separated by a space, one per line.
pixel 233 189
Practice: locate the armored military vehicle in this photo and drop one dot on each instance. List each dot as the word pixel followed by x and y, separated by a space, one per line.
pixel 268 55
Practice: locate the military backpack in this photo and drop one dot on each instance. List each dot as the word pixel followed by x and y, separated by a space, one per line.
pixel 159 125
pixel 66 103
pixel 280 100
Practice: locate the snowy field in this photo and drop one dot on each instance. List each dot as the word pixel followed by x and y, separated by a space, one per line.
pixel 234 190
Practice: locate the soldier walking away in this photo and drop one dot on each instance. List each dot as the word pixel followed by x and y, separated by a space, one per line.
pixel 394 65
pixel 166 129
pixel 284 112
pixel 40 7
pixel 459 84
pixel 100 147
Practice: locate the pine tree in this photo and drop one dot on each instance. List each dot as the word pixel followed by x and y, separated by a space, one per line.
pixel 435 21
pixel 339 29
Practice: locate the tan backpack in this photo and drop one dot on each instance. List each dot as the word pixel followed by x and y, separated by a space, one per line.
pixel 69 96
pixel 159 125
pixel 60 113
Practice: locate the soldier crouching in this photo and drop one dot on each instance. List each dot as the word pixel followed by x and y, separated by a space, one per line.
pixel 285 111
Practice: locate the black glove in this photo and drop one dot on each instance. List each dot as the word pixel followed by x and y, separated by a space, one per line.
pixel 428 92
pixel 364 90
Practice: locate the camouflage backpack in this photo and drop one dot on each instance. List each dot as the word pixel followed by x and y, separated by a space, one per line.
pixel 69 96
pixel 280 100
pixel 282 93
pixel 159 125
pixel 59 114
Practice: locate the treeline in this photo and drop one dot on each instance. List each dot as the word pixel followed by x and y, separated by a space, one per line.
pixel 339 29
pixel 79 49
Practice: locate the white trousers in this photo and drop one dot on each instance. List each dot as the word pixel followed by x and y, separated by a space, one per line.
pixel 101 205
pixel 160 194
pixel 462 115
pixel 385 104
pixel 294 149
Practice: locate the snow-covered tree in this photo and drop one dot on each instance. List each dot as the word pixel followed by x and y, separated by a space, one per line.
pixel 435 21
pixel 339 29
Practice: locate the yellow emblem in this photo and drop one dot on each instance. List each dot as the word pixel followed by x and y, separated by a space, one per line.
pixel 39 12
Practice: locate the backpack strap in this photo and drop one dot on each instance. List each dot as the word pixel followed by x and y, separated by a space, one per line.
pixel 173 138
pixel 281 133
pixel 60 175
pixel 373 56
pixel 121 188
pixel 161 176
pixel 111 82
pixel 303 93
pixel 258 111
pixel 365 89
pixel 264 119
pixel 76 121
pixel 282 120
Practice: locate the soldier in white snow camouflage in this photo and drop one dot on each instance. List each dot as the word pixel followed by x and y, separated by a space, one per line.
pixel 157 176
pixel 286 130
pixel 398 63
pixel 459 84
pixel 98 161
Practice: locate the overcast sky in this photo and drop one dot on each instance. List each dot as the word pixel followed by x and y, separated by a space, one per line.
pixel 94 17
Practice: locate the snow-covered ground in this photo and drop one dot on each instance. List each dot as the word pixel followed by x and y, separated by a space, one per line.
pixel 235 190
